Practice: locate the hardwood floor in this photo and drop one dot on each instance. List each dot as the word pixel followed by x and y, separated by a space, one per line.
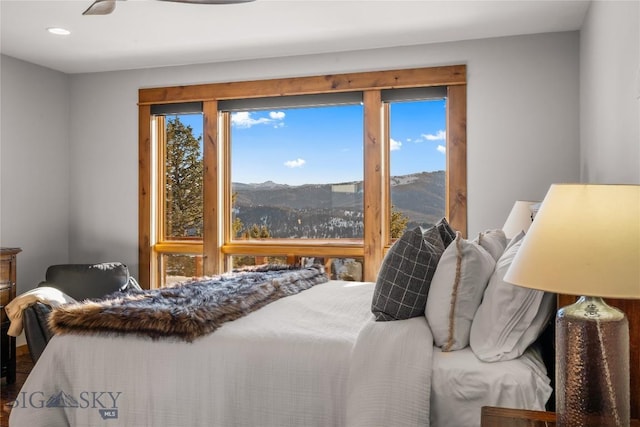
pixel 8 392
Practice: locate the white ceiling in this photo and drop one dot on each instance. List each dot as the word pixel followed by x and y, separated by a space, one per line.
pixel 150 33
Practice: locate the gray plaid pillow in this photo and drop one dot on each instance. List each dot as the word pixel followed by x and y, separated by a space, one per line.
pixel 446 232
pixel 405 275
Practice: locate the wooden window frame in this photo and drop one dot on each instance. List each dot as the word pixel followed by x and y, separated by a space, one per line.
pixel 216 243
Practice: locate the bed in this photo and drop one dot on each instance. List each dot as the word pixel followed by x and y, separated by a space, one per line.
pixel 320 357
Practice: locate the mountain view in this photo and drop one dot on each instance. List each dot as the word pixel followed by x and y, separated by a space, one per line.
pixel 324 211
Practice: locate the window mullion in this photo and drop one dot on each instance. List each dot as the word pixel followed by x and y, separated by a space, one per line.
pixel 161 182
pixel 159 193
pixel 386 176
pixel 212 230
pixel 373 184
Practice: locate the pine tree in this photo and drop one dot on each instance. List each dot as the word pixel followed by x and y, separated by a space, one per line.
pixel 184 178
pixel 184 172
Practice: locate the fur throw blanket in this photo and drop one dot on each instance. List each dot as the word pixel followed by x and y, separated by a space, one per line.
pixel 187 310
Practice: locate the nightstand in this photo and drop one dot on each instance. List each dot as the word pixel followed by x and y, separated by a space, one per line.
pixel 507 417
pixel 7 293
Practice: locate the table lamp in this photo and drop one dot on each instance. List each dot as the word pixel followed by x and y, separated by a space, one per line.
pixel 519 218
pixel 585 241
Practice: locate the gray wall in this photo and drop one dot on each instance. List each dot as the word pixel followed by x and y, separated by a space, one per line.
pixel 522 127
pixel 523 135
pixel 610 93
pixel 34 167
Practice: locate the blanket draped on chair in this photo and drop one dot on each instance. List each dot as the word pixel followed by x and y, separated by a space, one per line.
pixel 187 310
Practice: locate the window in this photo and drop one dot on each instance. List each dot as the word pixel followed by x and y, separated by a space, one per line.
pixel 180 182
pixel 417 157
pixel 296 173
pixel 327 168
pixel 183 172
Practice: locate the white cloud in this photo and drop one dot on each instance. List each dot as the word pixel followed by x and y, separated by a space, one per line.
pixel 395 145
pixel 439 136
pixel 442 149
pixel 295 163
pixel 245 119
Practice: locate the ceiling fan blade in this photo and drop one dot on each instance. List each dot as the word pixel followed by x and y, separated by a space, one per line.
pixel 105 7
pixel 101 7
pixel 210 1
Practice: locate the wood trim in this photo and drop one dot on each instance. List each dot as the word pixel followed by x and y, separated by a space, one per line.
pixel 211 230
pixel 296 249
pixel 386 241
pixel 456 177
pixel 632 309
pixel 144 195
pixel 414 77
pixel 216 244
pixel 373 184
pixel 159 196
pixel 191 248
pixel 492 416
pixel 158 199
pixel 227 196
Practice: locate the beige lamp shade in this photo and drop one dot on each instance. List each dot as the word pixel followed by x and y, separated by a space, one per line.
pixel 519 218
pixel 585 240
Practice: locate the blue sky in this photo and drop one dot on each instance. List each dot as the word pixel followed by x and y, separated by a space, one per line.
pixel 324 145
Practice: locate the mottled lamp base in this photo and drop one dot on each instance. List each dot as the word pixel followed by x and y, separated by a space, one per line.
pixel 592 365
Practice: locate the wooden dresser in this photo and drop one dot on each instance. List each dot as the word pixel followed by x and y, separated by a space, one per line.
pixel 505 417
pixel 7 293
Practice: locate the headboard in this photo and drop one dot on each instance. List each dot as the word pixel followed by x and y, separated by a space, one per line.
pixel 632 309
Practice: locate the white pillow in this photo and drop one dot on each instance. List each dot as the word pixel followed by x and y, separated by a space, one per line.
pixel 456 291
pixel 510 317
pixel 514 240
pixel 494 241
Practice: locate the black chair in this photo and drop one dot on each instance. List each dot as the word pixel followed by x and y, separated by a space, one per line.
pixel 79 281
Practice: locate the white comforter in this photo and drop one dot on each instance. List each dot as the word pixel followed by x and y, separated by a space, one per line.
pixel 312 359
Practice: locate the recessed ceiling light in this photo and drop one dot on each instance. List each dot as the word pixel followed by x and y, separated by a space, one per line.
pixel 59 31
